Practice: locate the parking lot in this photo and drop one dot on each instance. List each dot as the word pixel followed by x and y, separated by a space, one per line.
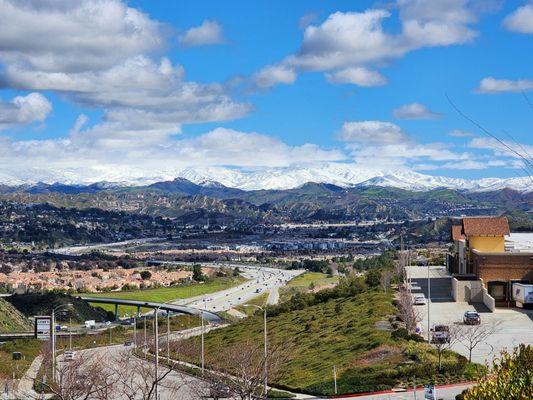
pixel 511 326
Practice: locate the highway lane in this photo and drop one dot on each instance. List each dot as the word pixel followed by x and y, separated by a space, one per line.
pixel 260 280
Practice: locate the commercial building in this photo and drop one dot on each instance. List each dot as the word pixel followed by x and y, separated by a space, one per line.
pixel 484 265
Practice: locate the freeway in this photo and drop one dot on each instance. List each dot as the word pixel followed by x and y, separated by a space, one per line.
pixel 260 280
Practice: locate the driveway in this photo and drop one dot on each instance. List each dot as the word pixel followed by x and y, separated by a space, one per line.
pixel 512 326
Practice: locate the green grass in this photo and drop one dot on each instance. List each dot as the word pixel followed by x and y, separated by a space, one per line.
pixel 304 282
pixel 29 348
pixel 165 294
pixel 11 320
pixel 259 301
pixel 342 332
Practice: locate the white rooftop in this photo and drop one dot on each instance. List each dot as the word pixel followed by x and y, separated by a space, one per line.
pixel 519 242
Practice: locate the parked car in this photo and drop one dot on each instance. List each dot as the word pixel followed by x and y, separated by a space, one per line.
pixel 420 300
pixel 471 318
pixel 440 334
pixel 220 391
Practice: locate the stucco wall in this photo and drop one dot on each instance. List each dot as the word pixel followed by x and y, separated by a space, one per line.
pixel 487 243
pixel 470 291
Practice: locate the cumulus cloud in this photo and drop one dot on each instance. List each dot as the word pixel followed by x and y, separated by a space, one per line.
pixel 274 74
pixel 415 111
pixel 307 19
pixel 372 132
pixel 23 110
pixel 73 36
pixel 357 76
pixel 501 148
pixel 208 33
pixel 521 20
pixel 492 85
pixel 348 45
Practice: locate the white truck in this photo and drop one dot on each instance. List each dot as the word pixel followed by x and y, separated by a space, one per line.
pixel 90 324
pixel 523 294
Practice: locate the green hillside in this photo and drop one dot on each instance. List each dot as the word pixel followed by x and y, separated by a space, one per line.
pixel 12 320
pixel 351 332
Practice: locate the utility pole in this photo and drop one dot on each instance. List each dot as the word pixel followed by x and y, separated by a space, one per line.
pixel 145 343
pixel 335 378
pixel 110 341
pixel 168 336
pixel 203 355
pixel 414 387
pixel 70 333
pixel 429 308
pixel 156 333
pixel 266 350
pixel 134 333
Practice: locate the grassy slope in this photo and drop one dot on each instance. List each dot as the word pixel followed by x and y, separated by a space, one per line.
pixel 303 282
pixel 29 348
pixel 12 320
pixel 166 294
pixel 341 332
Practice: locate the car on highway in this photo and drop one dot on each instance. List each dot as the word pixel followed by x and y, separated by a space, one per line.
pixel 440 333
pixel 420 300
pixel 471 318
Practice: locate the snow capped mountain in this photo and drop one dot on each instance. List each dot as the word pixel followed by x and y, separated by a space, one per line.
pixel 339 174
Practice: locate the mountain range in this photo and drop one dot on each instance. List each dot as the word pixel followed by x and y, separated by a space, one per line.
pixel 221 178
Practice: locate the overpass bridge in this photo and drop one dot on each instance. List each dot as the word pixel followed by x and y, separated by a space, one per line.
pixel 207 315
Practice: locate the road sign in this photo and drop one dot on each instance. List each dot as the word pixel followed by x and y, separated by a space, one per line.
pixel 430 392
pixel 43 327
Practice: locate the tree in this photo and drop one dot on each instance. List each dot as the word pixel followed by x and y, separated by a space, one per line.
pixel 385 279
pixel 145 275
pixel 406 310
pixel 442 345
pixel 511 377
pixel 197 273
pixel 373 277
pixel 471 336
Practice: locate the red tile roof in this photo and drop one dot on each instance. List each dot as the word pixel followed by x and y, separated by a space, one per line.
pixel 457 232
pixel 485 226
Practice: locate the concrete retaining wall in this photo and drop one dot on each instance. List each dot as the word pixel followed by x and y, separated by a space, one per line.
pixel 488 300
pixel 470 291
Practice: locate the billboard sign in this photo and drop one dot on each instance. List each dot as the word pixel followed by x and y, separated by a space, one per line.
pixel 43 327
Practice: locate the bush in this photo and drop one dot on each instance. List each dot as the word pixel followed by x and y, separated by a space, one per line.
pixel 145 275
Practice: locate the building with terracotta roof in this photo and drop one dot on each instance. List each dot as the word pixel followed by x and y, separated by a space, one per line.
pixel 480 256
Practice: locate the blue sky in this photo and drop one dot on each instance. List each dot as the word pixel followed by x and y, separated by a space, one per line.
pixel 112 87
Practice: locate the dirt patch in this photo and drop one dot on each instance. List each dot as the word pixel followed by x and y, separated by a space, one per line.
pixel 383 353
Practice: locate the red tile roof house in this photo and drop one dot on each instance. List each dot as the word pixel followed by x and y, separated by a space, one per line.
pixel 483 270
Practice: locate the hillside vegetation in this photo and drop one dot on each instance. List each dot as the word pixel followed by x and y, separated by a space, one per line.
pixel 347 327
pixel 12 320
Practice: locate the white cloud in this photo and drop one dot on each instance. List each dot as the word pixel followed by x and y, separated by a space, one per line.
pixel 274 74
pixel 357 41
pixel 208 33
pixel 460 133
pixel 372 132
pixel 493 85
pixel 23 110
pixel 358 76
pixel 415 111
pixel 521 20
pixel 502 148
pixel 73 36
pixel 307 19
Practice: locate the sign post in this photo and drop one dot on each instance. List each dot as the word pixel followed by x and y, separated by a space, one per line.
pixel 430 392
pixel 43 327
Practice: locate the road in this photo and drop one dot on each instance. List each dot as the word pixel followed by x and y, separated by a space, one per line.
pixel 260 280
pixel 511 326
pixel 447 392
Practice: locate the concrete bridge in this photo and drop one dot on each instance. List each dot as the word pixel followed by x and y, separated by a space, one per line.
pixel 207 315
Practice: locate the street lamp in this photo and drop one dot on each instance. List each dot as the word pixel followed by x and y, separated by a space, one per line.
pixel 265 342
pixel 54 310
pixel 156 334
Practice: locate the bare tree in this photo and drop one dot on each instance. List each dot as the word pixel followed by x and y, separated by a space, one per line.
pixel 84 377
pixel 471 336
pixel 385 279
pixel 406 310
pixel 240 368
pixel 442 344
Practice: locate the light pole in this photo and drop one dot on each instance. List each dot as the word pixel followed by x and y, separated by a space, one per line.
pixel 429 301
pixel 168 337
pixel 335 378
pixel 70 333
pixel 265 342
pixel 203 347
pixel 54 310
pixel 134 333
pixel 156 333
